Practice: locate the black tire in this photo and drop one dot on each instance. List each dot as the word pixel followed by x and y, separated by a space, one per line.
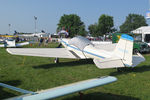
pixel 135 51
pixel 119 70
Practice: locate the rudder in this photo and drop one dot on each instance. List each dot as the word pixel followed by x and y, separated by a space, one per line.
pixel 124 49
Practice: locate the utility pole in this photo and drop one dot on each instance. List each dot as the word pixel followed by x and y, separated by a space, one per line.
pixel 35 22
pixel 9 28
pixel 149 5
pixel 148 12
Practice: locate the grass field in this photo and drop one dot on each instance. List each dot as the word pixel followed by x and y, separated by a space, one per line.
pixel 37 73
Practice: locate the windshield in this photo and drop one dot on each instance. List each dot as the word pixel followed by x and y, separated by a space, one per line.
pixel 80 42
pixel 138 38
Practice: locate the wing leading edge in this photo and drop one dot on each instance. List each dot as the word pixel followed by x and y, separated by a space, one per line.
pixel 42 52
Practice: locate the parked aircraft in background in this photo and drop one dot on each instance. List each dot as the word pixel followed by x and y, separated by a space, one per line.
pixel 81 48
pixel 12 43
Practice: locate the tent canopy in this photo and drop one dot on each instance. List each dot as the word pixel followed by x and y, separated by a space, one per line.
pixel 142 30
pixel 63 32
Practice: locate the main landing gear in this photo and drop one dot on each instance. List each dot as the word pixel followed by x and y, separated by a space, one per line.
pixel 56 60
pixel 119 70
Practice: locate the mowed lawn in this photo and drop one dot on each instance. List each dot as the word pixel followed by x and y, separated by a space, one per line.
pixel 38 73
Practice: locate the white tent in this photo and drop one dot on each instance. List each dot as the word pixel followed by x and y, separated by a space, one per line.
pixel 142 30
pixel 63 32
pixel 145 32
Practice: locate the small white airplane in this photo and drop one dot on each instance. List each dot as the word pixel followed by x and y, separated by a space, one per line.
pixel 57 91
pixel 12 43
pixel 81 48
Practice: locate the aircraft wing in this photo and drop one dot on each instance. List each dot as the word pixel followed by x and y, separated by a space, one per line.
pixel 66 89
pixel 42 52
pixel 22 44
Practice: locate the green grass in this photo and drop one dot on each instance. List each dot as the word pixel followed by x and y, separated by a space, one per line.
pixel 37 73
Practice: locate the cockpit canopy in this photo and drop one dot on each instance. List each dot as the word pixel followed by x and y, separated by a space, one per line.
pixel 80 42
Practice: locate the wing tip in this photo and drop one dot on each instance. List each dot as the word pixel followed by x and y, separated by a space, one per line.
pixel 8 50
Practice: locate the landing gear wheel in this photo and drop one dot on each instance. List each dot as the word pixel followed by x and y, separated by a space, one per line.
pixel 135 51
pixel 56 60
pixel 118 69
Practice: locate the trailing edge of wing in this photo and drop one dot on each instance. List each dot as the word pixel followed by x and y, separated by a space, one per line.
pixel 68 89
pixel 42 52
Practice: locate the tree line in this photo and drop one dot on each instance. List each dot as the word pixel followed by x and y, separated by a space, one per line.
pixel 105 25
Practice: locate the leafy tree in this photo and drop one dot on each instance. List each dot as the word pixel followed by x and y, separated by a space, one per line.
pixel 82 31
pixel 105 24
pixel 93 29
pixel 73 24
pixel 132 22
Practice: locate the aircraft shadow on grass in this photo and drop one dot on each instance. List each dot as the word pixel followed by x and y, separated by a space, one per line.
pixel 3 93
pixel 140 69
pixel 101 96
pixel 65 64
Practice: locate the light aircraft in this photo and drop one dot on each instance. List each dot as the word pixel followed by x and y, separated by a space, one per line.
pixel 12 43
pixel 61 90
pixel 81 48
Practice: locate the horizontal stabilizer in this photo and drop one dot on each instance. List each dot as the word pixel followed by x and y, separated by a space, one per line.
pixel 42 52
pixel 115 63
pixel 137 59
pixel 108 63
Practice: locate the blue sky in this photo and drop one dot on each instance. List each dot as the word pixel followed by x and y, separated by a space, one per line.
pixel 20 13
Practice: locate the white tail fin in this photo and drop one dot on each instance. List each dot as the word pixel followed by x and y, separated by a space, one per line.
pixel 124 49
